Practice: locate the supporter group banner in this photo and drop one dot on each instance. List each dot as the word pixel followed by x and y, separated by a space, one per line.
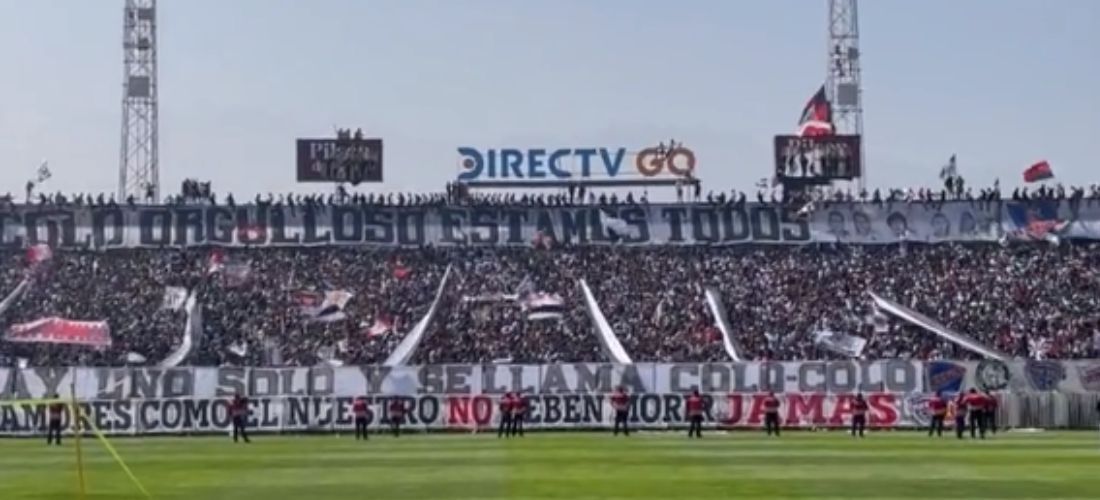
pixel 464 397
pixel 679 224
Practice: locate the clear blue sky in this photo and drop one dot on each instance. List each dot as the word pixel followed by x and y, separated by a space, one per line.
pixel 1002 83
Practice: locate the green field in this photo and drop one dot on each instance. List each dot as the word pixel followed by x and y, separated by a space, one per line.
pixel 567 466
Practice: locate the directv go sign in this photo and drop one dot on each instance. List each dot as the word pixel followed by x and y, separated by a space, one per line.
pixel 574 164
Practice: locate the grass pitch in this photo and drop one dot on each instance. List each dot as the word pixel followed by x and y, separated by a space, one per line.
pixel 567 466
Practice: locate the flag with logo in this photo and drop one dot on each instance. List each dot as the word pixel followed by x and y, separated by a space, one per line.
pixel 542 306
pixel 817 116
pixel 174 298
pixel 1035 220
pixel 840 343
pixel 322 307
pixel 56 330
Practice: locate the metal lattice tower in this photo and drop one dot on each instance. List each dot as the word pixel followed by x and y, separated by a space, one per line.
pixel 842 74
pixel 138 168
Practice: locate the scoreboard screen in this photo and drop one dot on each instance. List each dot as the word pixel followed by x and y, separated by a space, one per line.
pixel 817 160
pixel 340 160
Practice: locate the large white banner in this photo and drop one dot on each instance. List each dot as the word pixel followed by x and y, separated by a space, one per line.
pixel 457 413
pixel 463 397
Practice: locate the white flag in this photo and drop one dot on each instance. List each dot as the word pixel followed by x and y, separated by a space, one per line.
pixel 950 170
pixel 174 298
pixel 840 343
pixel 541 306
pixel 134 358
pixel 616 227
pixel 44 171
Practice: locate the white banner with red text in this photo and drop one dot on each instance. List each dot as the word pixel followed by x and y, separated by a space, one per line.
pixel 461 413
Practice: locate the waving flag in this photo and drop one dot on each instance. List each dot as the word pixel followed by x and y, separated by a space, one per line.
pixel 38 254
pixel 616 228
pixel 174 298
pixel 1038 172
pixel 401 271
pixel 817 116
pixel 236 273
pixel 949 170
pixel 540 306
pixel 382 325
pixel 44 172
pixel 322 307
pixel 840 343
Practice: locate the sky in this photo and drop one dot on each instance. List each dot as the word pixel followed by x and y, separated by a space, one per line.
pixel 1000 83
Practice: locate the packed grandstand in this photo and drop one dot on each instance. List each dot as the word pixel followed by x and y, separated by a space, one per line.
pixel 211 283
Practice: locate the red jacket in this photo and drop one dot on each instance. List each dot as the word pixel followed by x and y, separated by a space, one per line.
pixel 859 407
pixel 975 401
pixel 56 410
pixel 620 401
pixel 694 405
pixel 239 407
pixel 771 404
pixel 359 408
pixel 937 406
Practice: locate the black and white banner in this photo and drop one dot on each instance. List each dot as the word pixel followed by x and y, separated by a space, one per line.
pixel 680 224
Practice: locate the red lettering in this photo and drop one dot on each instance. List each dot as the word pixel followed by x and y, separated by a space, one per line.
pixel 458 411
pixel 842 409
pixel 884 410
pixel 809 405
pixel 756 414
pixel 483 410
pixel 734 410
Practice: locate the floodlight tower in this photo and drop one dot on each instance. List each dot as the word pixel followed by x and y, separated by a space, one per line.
pixel 138 169
pixel 842 73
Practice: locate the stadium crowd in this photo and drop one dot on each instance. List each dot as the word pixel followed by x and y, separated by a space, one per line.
pixel 1024 299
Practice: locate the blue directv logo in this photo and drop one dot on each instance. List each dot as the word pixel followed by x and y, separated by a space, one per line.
pixel 539 163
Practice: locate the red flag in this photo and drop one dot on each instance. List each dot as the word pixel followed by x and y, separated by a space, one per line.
pixel 401 271
pixel 382 325
pixel 216 262
pixel 39 253
pixel 251 233
pixel 817 116
pixel 1038 172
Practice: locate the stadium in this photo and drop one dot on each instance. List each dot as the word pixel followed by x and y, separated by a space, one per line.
pixel 575 320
